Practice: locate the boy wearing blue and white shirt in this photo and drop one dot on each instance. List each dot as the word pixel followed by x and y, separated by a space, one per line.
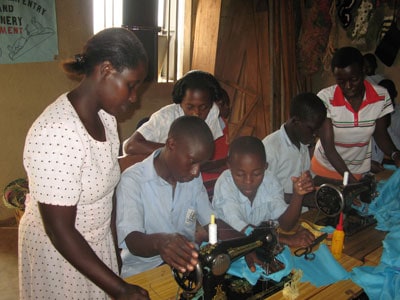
pixel 247 193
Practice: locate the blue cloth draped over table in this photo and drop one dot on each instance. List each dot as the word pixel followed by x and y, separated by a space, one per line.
pixel 383 281
pixel 240 269
pixel 323 270
pixel 380 282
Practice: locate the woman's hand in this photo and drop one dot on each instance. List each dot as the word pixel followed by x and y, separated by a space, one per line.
pixel 133 292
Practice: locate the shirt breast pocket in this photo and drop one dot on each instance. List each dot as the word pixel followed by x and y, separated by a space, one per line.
pixel 190 217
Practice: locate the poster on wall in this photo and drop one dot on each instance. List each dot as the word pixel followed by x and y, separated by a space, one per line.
pixel 28 31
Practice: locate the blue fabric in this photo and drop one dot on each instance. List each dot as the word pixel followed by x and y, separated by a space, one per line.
pixel 390 167
pixel 323 270
pixel 327 229
pixel 240 269
pixel 386 207
pixel 383 281
pixel 379 283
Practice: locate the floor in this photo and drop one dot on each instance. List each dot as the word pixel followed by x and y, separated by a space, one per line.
pixel 8 260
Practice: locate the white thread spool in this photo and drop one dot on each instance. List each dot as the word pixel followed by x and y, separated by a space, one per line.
pixel 212 231
pixel 345 178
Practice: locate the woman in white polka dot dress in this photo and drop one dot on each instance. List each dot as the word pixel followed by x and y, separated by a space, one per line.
pixel 66 249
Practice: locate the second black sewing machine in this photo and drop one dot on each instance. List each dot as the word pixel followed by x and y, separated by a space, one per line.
pixel 332 199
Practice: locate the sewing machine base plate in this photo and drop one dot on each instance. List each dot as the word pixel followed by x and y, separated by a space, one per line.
pixel 240 289
pixel 261 290
pixel 353 222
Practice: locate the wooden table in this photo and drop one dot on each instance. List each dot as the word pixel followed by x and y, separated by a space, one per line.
pixel 359 244
pixel 374 258
pixel 363 248
pixel 159 282
pixel 161 285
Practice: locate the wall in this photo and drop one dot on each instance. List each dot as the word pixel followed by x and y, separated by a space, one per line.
pixel 151 97
pixel 29 87
pixel 256 63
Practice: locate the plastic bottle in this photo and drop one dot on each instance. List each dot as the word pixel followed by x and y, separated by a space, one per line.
pixel 212 231
pixel 338 239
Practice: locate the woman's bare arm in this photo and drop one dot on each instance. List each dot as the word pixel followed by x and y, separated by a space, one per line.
pixel 137 144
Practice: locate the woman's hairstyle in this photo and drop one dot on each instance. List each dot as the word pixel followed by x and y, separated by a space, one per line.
pixel 345 57
pixel 119 46
pixel 196 80
pixel 247 145
pixel 307 107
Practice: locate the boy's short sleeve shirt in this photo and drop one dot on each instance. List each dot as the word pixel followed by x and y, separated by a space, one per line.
pixel 394 132
pixel 235 208
pixel 157 127
pixel 284 158
pixel 145 204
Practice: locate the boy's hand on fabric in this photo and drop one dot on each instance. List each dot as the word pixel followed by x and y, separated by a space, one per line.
pixel 179 253
pixel 251 260
pixel 302 238
pixel 303 184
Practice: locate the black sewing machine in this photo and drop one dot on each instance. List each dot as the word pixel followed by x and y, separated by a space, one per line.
pixel 210 281
pixel 332 199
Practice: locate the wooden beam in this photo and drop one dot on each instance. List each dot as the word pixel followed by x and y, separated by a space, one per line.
pixel 206 35
pixel 239 88
pixel 187 40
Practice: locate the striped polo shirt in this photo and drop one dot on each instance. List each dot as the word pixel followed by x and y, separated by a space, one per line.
pixel 352 130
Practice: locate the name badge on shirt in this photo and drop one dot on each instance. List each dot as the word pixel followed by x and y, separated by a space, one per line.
pixel 190 216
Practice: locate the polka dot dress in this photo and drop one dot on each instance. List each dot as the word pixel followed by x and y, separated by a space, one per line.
pixel 66 166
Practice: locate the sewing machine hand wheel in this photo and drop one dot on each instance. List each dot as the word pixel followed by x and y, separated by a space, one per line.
pixel 191 282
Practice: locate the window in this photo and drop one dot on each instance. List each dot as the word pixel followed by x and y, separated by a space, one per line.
pixel 171 14
pixel 106 13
